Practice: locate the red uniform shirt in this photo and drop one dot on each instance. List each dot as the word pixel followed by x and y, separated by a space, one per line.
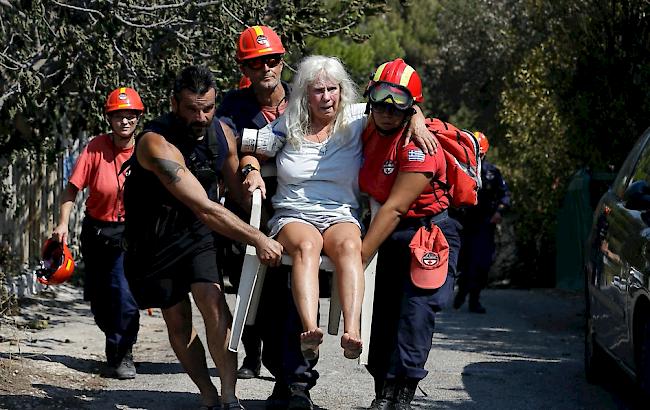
pixel 385 156
pixel 272 113
pixel 98 169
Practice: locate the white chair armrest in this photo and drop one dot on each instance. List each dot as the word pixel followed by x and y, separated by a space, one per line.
pixel 256 209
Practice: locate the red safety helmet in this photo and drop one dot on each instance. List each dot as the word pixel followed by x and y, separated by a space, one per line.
pixel 483 142
pixel 57 264
pixel 123 98
pixel 258 41
pixel 400 75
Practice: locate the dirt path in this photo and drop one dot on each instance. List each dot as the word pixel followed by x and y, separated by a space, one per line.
pixel 525 353
pixel 63 361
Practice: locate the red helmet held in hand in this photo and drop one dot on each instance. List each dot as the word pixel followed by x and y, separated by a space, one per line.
pixel 123 98
pixel 258 41
pixel 483 142
pixel 57 264
pixel 398 74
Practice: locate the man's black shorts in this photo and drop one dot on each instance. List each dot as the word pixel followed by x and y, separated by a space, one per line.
pixel 168 286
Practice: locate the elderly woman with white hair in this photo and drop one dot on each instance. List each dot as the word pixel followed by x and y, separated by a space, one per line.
pixel 318 153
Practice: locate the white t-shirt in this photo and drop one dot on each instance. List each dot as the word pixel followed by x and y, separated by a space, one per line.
pixel 319 177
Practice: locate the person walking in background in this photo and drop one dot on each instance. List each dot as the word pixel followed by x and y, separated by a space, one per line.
pixel 179 159
pixel 478 248
pixel 98 169
pixel 417 241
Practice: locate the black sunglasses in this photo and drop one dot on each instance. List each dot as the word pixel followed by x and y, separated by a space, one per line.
pixel 257 63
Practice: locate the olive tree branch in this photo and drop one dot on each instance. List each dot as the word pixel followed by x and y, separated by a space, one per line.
pixel 87 10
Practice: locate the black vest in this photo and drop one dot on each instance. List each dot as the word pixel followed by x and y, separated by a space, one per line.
pixel 159 228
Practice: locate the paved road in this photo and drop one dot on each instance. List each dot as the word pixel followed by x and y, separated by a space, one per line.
pixel 526 353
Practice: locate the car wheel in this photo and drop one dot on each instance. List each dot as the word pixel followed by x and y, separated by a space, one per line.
pixel 643 364
pixel 595 358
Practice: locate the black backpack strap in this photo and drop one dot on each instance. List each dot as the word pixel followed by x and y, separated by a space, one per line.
pixel 217 145
pixel 214 132
pixel 127 164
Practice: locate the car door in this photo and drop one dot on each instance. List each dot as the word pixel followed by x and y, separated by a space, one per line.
pixel 635 253
pixel 622 240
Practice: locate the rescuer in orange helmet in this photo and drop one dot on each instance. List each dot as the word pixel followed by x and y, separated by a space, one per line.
pixel 478 249
pixel 105 287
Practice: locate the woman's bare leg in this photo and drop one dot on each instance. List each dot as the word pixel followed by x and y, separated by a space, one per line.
pixel 304 243
pixel 342 243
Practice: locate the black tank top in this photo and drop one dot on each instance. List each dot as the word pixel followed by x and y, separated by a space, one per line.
pixel 160 229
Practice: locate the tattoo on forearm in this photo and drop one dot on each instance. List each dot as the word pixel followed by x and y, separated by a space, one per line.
pixel 168 169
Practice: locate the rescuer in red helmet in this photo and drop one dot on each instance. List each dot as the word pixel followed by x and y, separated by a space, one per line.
pixel 105 287
pixel 417 242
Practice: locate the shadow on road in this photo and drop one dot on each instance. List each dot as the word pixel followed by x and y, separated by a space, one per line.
pixel 82 365
pixel 534 361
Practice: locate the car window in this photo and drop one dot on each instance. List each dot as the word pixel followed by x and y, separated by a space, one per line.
pixel 635 167
pixel 642 169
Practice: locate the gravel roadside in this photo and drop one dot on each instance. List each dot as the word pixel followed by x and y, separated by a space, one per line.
pixel 525 353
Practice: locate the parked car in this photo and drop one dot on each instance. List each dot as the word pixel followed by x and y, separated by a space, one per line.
pixel 617 271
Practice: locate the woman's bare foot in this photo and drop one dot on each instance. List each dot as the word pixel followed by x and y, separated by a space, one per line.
pixel 351 346
pixel 309 343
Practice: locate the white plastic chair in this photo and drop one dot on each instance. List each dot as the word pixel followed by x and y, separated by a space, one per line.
pixel 252 279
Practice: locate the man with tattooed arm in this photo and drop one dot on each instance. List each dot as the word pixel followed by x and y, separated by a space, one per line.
pixel 171 197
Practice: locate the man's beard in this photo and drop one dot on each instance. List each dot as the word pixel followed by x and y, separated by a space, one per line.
pixel 269 85
pixel 198 129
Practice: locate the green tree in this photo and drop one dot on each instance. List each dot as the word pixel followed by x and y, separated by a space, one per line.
pixel 536 158
pixel 578 99
pixel 60 58
pixel 404 31
pixel 378 39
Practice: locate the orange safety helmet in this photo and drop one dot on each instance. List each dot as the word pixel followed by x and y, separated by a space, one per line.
pixel 483 143
pixel 258 41
pixel 123 98
pixel 398 73
pixel 57 264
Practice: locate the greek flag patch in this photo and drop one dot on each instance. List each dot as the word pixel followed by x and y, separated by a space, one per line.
pixel 416 155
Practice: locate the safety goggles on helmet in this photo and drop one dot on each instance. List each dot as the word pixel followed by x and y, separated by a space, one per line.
pixel 257 63
pixel 396 95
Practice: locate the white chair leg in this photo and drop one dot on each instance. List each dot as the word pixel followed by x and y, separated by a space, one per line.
pixel 249 289
pixel 257 293
pixel 335 308
pixel 366 308
pixel 245 294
